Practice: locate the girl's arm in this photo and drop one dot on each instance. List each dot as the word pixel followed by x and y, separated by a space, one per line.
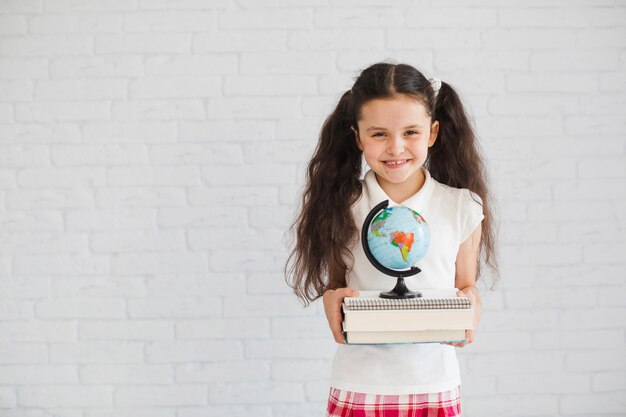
pixel 465 279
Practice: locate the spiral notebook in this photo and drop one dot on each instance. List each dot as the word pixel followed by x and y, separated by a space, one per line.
pixel 437 309
pixel 440 298
pixel 422 303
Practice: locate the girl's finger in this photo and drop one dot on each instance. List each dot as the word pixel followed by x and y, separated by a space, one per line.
pixel 348 292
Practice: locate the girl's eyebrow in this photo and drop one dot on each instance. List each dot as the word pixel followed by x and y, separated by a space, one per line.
pixel 382 128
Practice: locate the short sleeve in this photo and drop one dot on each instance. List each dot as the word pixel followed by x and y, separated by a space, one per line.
pixel 471 213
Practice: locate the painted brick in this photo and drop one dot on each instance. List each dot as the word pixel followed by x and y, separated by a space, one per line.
pixel 153 154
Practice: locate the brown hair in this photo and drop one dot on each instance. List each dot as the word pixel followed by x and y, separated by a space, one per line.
pixel 325 228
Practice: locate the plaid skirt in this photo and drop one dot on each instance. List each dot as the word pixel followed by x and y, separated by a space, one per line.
pixel 356 404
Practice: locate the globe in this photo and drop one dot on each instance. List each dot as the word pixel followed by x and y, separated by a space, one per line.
pixel 398 237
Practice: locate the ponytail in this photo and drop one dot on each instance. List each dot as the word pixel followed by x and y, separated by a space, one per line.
pixel 324 225
pixel 455 160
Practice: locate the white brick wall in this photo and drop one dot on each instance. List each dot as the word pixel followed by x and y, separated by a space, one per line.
pixel 151 156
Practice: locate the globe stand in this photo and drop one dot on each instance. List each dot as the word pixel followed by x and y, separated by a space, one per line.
pixel 400 291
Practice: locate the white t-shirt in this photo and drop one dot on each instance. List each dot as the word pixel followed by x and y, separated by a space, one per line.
pixel 452 215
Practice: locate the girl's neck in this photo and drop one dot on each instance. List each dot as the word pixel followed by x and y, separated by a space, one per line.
pixel 400 192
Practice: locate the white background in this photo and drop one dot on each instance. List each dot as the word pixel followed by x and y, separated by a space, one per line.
pixel 151 155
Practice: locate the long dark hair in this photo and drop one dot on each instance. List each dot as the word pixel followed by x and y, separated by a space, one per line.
pixel 325 228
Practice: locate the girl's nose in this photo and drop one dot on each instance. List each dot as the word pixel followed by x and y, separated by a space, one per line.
pixel 395 145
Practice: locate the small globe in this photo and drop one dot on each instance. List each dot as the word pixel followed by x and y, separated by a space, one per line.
pixel 398 237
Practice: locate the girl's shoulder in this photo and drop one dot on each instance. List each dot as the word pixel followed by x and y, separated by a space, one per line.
pixel 461 196
pixel 463 206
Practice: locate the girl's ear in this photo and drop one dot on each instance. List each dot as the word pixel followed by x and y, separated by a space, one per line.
pixel 358 140
pixel 434 130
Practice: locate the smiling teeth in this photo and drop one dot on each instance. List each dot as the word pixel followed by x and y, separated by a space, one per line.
pixel 396 162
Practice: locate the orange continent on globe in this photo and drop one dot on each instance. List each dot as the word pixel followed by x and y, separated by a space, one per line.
pixel 403 241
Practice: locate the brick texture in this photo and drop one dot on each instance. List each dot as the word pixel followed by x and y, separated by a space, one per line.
pixel 151 158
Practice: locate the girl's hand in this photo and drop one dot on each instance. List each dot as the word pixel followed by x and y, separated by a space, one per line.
pixel 332 308
pixel 469 333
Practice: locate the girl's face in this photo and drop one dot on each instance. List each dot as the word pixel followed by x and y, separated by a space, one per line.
pixel 394 135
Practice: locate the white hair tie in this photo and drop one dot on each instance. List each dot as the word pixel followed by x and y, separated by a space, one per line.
pixel 436 84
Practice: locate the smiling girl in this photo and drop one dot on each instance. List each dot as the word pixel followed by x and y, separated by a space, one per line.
pixel 415 137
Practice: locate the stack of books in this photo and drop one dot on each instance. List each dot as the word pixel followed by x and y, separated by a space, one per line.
pixel 438 316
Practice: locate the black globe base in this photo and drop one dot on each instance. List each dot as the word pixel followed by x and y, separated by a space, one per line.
pixel 400 291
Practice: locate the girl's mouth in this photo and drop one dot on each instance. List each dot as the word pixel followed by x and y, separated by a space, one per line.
pixel 396 163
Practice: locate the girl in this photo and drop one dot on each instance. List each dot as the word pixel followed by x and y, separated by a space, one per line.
pixel 421 150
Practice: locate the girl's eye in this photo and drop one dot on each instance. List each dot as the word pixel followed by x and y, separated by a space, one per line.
pixel 411 132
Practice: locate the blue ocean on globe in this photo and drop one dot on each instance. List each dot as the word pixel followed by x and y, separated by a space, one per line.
pixel 398 237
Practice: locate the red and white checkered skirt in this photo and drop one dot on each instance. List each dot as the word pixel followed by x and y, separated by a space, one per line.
pixel 356 404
